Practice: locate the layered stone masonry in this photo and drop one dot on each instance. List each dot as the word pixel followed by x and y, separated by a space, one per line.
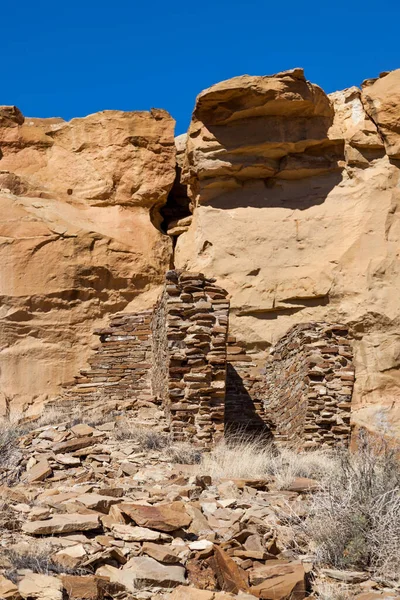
pixel 190 328
pixel 180 355
pixel 308 385
pixel 119 370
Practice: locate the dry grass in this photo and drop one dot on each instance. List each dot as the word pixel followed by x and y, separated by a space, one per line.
pixel 184 453
pixel 244 458
pixel 333 591
pixel 145 438
pixel 10 455
pixel 354 520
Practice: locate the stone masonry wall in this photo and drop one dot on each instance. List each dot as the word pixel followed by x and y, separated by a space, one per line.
pixel 190 333
pixel 180 355
pixel 308 385
pixel 119 370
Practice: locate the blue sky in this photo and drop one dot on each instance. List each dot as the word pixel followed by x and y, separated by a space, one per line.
pixel 74 58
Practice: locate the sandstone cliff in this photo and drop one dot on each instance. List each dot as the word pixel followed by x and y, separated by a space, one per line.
pixel 296 197
pixel 76 237
pixel 292 205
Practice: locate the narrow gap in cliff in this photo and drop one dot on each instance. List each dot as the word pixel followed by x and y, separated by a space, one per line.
pixel 176 214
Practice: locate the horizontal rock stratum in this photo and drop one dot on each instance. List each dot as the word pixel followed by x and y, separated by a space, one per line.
pixel 294 197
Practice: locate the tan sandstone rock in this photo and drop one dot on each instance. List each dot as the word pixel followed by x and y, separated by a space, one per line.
pixel 8 590
pixel 64 523
pixel 163 517
pixel 280 582
pixel 381 99
pixel 77 240
pixel 87 587
pixel 35 586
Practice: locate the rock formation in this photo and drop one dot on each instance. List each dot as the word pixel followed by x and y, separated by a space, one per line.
pixel 286 195
pixel 77 238
pixel 295 197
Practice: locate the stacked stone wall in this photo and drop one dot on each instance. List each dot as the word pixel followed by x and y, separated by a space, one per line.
pixel 190 327
pixel 308 385
pixel 119 370
pixel 180 355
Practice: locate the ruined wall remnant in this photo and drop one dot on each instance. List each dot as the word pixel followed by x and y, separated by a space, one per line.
pixel 309 383
pixel 190 328
pixel 119 370
pixel 181 356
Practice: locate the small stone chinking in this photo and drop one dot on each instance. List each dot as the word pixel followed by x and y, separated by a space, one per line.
pixel 190 329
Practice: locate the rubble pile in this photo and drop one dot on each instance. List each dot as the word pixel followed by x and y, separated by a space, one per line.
pixel 99 511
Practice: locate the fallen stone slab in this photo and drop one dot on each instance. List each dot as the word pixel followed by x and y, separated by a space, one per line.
pixel 38 472
pixel 163 517
pixel 67 460
pixel 230 576
pixel 99 558
pixel 70 557
pixel 188 593
pixel 346 576
pixel 8 589
pixel 97 502
pixel 131 579
pixel 147 571
pixel 201 545
pixel 302 485
pixel 73 444
pixel 281 582
pixel 35 586
pixel 64 523
pixel 130 533
pixel 82 430
pixel 161 552
pixel 86 587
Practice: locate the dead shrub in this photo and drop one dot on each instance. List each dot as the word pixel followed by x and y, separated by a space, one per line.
pixel 9 520
pixel 39 561
pixel 10 455
pixel 354 520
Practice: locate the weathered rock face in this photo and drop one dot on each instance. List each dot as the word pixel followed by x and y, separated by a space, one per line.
pixel 77 241
pixel 381 98
pixel 295 199
pixel 251 129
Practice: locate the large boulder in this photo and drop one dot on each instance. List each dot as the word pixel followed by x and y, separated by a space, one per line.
pixel 255 128
pixel 78 237
pixel 381 98
pixel 295 213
